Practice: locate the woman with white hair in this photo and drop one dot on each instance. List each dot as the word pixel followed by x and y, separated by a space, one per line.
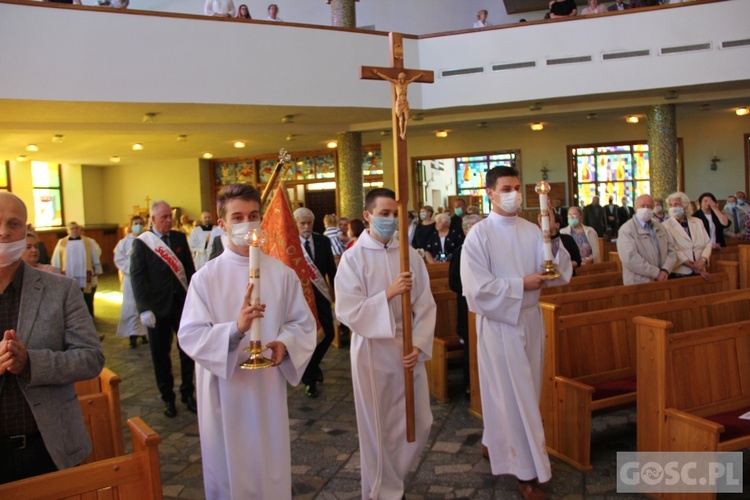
pixel 692 244
pixel 442 242
pixel 585 236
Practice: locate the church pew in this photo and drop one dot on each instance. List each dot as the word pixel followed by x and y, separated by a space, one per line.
pixel 595 356
pixel 560 305
pixel 588 282
pixel 695 385
pixel 136 475
pixel 99 399
pixel 674 368
pixel 605 247
pixel 446 345
pixel 598 268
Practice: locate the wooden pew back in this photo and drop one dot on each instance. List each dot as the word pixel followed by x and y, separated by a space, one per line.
pixel 136 475
pixel 701 372
pixel 99 399
pixel 598 268
pixel 587 282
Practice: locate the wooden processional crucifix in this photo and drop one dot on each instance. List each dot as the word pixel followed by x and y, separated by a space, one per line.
pixel 400 78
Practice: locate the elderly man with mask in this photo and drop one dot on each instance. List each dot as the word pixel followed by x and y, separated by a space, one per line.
pixel 646 249
pixel 49 343
pixel 322 265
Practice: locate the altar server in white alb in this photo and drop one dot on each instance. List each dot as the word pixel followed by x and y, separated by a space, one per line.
pixel 501 265
pixel 369 285
pixel 130 322
pixel 201 239
pixel 242 414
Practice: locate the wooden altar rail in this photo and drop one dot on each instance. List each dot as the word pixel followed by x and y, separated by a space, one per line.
pixel 132 476
pixel 692 387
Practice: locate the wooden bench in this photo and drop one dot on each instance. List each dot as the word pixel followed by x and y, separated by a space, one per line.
pixel 99 399
pixel 588 282
pixel 693 386
pixel 595 362
pixel 133 476
pixel 740 254
pixel 446 345
pixel 598 268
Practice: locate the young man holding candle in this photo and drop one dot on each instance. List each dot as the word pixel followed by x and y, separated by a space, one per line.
pixel 369 285
pixel 242 414
pixel 501 266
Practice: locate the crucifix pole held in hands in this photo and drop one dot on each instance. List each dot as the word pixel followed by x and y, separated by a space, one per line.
pixel 399 78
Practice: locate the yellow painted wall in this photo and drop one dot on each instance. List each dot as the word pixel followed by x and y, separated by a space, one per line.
pixel 176 181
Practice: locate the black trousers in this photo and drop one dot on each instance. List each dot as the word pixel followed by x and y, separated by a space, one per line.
pixel 88 298
pixel 325 316
pixel 160 340
pixel 33 460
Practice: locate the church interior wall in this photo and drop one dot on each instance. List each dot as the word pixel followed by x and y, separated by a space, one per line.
pixel 94 185
pixel 175 181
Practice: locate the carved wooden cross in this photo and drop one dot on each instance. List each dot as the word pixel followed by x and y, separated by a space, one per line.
pixel 400 78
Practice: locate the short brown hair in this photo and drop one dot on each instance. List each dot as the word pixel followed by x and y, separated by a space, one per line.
pixel 242 191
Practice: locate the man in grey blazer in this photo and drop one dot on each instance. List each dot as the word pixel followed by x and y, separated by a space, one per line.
pixel 48 343
pixel 646 249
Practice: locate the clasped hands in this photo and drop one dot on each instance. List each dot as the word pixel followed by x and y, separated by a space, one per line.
pixel 248 313
pixel 13 355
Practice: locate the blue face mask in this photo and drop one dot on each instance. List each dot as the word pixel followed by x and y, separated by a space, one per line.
pixel 137 229
pixel 741 202
pixel 731 206
pixel 384 227
pixel 459 211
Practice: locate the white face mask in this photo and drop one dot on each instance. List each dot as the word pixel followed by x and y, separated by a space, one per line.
pixel 11 252
pixel 510 202
pixel 239 231
pixel 644 214
pixel 676 212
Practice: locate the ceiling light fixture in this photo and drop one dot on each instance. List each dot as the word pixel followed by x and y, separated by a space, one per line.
pixel 22 158
pixel 149 118
pixel 58 138
pixel 239 144
pixel 672 94
pixel 632 119
pixel 705 107
pixel 32 148
pixel 207 156
pixel 287 119
pixel 114 159
pixel 417 117
pixel 181 138
pixel 385 133
pixel 742 111
pixel 332 144
pixel 290 137
pixel 482 125
pixel 137 146
pixel 441 133
pixel 537 126
pixel 537 106
pixel 591 116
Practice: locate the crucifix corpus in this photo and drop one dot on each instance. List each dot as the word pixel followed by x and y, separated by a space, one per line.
pixel 400 78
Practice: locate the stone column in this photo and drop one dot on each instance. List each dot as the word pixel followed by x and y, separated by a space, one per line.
pixel 662 150
pixel 343 13
pixel 349 178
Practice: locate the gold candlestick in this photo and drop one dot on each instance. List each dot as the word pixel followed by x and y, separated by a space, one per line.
pixel 548 269
pixel 256 359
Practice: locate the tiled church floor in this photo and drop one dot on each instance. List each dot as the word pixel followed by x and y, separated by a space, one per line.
pixel 325 459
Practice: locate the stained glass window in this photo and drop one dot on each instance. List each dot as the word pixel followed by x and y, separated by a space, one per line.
pixel 609 170
pixel 47 192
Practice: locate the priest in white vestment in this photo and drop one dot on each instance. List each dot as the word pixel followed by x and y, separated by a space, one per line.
pixel 369 284
pixel 75 256
pixel 130 321
pixel 501 265
pixel 201 240
pixel 242 414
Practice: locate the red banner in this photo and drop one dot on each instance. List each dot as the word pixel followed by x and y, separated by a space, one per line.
pixel 282 242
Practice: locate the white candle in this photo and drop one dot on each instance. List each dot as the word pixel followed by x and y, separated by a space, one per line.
pixel 255 280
